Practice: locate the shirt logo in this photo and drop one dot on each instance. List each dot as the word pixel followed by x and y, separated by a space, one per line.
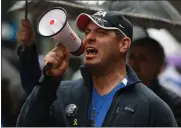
pixel 129 109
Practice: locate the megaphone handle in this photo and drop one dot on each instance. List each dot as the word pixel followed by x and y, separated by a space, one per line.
pixel 46 68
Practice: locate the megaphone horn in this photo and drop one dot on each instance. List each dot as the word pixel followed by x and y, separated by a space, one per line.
pixel 53 23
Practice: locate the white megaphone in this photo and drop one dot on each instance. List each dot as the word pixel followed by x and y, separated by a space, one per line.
pixel 53 23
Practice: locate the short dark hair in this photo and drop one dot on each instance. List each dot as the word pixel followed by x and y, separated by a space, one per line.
pixel 153 45
pixel 119 34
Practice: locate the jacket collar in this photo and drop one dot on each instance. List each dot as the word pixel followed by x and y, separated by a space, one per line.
pixel 131 76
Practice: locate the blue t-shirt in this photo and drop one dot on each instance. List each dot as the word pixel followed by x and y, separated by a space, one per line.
pixel 102 103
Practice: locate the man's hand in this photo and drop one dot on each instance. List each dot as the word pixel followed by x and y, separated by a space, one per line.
pixel 58 57
pixel 25 34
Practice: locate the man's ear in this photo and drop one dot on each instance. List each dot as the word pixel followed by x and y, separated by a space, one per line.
pixel 124 44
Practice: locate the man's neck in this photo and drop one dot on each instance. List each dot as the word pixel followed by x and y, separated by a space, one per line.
pixel 108 79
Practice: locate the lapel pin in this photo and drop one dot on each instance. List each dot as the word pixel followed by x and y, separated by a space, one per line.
pixel 75 123
pixel 71 110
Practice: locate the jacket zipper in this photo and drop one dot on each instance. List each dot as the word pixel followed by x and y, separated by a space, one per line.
pixel 89 101
pixel 110 110
pixel 113 105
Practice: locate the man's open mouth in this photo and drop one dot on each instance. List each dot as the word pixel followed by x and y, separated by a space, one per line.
pixel 91 51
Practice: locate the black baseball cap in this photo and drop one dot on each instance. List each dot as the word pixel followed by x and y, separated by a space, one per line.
pixel 109 20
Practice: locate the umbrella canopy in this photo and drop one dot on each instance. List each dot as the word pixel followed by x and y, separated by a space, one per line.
pixel 147 14
pixel 150 14
pixel 37 7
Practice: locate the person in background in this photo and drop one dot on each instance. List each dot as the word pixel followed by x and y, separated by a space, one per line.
pixel 146 56
pixel 171 77
pixel 30 70
pixel 7 118
pixel 12 94
pixel 109 94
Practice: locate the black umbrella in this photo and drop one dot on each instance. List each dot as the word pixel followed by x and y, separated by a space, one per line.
pixel 37 7
pixel 155 14
pixel 152 14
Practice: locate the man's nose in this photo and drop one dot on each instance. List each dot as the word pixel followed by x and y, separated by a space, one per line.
pixel 90 37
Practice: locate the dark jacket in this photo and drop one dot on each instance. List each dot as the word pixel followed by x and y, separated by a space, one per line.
pixel 134 105
pixel 172 99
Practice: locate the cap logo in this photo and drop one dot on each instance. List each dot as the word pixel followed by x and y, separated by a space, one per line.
pixel 99 20
pixel 121 26
pixel 101 13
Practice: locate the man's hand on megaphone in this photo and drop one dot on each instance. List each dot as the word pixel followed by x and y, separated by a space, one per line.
pixel 58 57
pixel 25 34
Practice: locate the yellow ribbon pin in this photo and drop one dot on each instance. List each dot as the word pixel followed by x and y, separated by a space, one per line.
pixel 75 122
